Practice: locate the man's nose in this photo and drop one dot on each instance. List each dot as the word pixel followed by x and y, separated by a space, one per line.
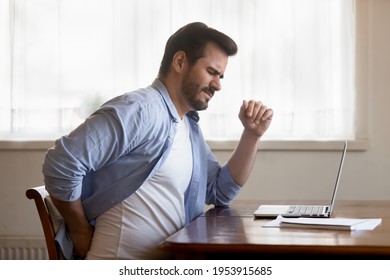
pixel 216 84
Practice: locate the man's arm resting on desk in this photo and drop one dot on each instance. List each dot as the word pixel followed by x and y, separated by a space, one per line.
pixel 80 230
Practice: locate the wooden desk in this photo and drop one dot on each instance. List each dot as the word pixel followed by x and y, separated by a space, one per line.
pixel 233 233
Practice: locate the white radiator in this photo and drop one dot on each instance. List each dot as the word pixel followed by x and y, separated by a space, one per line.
pixel 22 249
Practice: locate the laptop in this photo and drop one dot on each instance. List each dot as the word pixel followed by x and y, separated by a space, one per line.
pixel 311 211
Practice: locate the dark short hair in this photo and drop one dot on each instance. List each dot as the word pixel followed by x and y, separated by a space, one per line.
pixel 192 39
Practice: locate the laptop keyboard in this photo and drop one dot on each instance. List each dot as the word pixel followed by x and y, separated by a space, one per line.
pixel 305 210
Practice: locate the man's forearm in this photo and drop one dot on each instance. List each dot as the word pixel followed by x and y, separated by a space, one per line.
pixel 243 158
pixel 256 118
pixel 72 212
pixel 80 230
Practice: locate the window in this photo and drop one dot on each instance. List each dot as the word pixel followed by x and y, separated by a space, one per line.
pixel 61 59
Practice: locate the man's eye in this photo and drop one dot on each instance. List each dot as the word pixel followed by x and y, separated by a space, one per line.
pixel 214 73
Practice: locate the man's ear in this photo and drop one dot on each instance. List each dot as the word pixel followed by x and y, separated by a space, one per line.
pixel 179 61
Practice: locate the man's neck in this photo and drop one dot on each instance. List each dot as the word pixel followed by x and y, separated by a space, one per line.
pixel 174 91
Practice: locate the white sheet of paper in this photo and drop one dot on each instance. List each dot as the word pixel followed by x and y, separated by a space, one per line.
pixel 359 224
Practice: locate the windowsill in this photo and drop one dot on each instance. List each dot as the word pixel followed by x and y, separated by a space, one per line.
pixel 295 145
pixel 33 145
pixel 215 145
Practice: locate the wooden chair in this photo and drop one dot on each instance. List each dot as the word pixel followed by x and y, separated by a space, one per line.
pixel 50 218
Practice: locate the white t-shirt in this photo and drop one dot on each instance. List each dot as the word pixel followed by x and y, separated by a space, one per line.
pixel 134 228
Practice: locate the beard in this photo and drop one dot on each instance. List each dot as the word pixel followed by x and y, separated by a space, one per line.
pixel 191 92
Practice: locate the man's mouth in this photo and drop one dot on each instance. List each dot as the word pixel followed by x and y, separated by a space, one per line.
pixel 209 92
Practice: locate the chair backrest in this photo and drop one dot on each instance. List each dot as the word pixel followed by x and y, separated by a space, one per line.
pixel 50 218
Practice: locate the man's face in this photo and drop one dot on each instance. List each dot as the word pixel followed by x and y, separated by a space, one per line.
pixel 204 78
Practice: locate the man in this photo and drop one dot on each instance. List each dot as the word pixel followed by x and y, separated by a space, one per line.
pixel 138 169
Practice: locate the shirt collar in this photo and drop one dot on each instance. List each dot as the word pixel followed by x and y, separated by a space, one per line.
pixel 157 84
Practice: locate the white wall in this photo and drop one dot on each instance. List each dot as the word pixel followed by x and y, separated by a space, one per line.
pixel 277 174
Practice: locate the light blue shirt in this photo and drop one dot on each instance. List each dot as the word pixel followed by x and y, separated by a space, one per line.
pixel 110 155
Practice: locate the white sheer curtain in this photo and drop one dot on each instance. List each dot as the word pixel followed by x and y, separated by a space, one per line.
pixel 62 59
